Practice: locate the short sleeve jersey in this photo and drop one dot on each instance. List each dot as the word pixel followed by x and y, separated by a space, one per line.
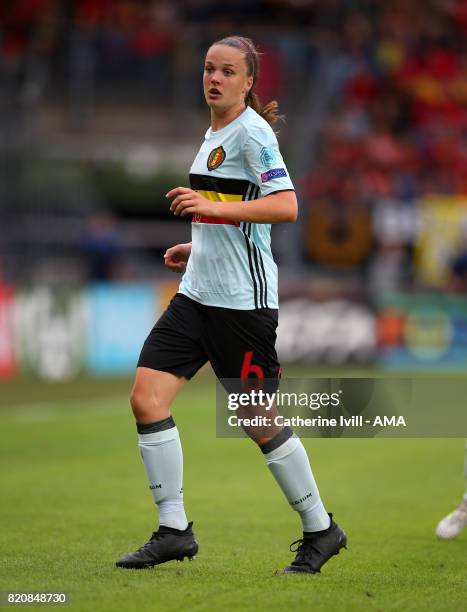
pixel 231 264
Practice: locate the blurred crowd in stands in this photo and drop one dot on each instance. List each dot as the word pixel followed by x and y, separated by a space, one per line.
pixel 149 43
pixel 395 127
pixel 398 127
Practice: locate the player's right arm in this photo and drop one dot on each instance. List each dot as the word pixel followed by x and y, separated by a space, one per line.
pixel 177 256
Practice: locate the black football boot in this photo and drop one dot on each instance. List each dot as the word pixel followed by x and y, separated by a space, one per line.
pixel 315 548
pixel 165 544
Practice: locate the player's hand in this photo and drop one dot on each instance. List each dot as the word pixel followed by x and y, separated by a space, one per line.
pixel 177 256
pixel 189 202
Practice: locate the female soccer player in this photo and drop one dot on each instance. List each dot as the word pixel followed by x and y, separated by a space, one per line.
pixel 225 311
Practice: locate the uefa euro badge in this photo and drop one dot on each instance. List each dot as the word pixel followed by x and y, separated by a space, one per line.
pixel 267 157
pixel 216 157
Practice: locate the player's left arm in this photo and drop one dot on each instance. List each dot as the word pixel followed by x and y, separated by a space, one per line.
pixel 277 207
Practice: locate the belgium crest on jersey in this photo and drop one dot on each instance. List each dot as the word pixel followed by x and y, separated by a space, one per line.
pixel 216 157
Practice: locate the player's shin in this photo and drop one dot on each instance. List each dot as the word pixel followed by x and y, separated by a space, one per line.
pixel 288 461
pixel 161 451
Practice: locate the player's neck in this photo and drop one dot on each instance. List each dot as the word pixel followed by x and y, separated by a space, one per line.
pixel 220 120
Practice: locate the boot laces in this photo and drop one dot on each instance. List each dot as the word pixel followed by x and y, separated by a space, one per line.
pixel 304 549
pixel 155 536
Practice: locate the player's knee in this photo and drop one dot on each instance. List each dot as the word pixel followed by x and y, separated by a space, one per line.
pixel 146 406
pixel 138 402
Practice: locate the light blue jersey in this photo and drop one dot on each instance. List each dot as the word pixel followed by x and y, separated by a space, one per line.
pixel 231 264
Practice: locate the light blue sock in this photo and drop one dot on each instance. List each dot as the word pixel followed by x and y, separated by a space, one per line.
pixel 163 461
pixel 290 467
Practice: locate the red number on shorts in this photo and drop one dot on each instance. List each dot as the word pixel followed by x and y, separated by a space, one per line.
pixel 249 369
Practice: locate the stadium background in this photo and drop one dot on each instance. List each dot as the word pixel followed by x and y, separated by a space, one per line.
pixel 101 112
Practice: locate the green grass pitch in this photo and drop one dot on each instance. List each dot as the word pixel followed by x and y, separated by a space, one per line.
pixel 74 498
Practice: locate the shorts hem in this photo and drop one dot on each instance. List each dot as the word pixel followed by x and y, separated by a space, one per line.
pixel 175 371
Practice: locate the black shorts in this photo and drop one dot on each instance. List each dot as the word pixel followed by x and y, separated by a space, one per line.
pixel 239 344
